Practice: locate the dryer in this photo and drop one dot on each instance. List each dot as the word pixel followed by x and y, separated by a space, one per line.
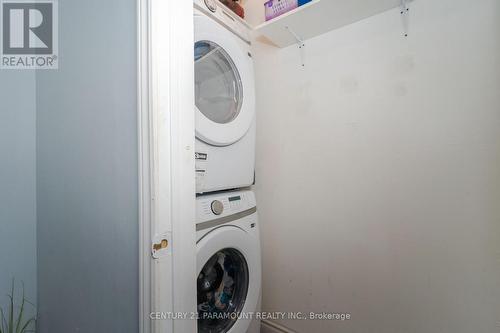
pixel 224 99
pixel 228 263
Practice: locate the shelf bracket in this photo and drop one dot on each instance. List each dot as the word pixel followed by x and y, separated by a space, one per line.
pixel 405 16
pixel 300 43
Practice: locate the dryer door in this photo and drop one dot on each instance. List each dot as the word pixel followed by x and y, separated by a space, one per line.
pixel 224 84
pixel 228 281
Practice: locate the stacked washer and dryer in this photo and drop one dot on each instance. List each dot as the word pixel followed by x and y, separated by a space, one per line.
pixel 228 240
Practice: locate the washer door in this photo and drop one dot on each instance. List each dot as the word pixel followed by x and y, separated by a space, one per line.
pixel 224 85
pixel 228 280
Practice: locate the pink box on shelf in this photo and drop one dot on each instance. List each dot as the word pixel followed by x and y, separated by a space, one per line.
pixel 275 8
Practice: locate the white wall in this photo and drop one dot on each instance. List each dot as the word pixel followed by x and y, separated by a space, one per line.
pixel 378 172
pixel 254 11
pixel 17 183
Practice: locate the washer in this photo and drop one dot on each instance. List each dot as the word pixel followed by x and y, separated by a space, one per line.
pixel 228 263
pixel 224 98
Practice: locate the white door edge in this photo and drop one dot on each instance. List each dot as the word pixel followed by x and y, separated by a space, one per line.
pixel 166 166
pixel 144 154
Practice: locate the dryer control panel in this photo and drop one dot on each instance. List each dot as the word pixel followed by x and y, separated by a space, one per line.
pixel 225 16
pixel 213 206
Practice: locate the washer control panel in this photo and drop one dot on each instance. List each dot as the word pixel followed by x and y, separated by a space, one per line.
pixel 213 206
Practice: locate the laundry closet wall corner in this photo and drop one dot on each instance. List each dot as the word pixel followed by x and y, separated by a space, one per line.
pixel 378 172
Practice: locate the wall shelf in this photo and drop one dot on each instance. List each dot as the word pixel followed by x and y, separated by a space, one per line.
pixel 318 17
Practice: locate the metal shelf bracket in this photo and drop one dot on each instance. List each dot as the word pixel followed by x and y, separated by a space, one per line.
pixel 405 15
pixel 300 43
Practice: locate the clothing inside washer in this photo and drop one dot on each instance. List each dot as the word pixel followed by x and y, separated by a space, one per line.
pixel 222 290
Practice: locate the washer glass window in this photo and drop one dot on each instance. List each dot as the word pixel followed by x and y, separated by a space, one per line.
pixel 222 291
pixel 218 87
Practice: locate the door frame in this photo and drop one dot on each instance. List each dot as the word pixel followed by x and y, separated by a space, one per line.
pixel 167 283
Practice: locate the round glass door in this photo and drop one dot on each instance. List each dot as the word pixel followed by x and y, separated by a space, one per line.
pixel 218 87
pixel 222 291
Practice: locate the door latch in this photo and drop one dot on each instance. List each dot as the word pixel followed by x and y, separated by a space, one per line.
pixel 161 245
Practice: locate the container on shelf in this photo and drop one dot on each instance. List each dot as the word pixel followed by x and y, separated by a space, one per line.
pixel 235 7
pixel 275 8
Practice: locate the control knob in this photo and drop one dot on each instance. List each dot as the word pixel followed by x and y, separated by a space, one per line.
pixel 211 5
pixel 217 207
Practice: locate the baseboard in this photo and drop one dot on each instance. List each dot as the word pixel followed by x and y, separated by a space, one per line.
pixel 271 327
